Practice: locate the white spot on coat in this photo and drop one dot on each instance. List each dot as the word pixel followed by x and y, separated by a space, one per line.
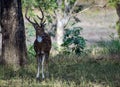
pixel 39 38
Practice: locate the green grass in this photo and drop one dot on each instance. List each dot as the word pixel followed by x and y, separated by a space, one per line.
pixel 111 48
pixel 65 71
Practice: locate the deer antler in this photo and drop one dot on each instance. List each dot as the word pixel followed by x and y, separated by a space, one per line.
pixel 28 18
pixel 42 13
pixel 35 22
pixel 42 22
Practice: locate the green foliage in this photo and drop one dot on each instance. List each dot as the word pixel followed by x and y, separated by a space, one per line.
pixel 31 51
pixel 47 5
pixel 113 2
pixel 73 42
pixel 30 3
pixel 30 30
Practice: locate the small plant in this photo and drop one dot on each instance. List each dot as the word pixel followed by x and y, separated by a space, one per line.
pixel 31 50
pixel 73 41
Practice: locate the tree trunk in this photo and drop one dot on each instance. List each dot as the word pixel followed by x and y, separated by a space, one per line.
pixel 61 22
pixel 59 34
pixel 118 22
pixel 13 33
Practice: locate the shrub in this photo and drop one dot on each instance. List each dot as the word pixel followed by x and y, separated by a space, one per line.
pixel 73 41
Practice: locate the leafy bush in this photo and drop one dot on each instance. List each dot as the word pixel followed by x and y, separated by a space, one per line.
pixel 73 41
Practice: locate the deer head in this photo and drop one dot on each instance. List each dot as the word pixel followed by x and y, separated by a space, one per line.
pixel 39 27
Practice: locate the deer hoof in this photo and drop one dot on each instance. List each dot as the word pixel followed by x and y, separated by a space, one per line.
pixel 38 79
pixel 43 79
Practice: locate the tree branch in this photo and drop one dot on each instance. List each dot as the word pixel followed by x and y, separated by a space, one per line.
pixel 86 9
pixel 68 12
pixel 72 9
pixel 67 7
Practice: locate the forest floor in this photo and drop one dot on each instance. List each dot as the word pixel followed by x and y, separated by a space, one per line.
pixel 65 71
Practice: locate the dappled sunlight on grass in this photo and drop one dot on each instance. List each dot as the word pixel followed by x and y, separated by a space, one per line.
pixel 65 71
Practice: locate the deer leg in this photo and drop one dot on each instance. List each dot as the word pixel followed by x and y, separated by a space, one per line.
pixel 46 65
pixel 43 59
pixel 38 71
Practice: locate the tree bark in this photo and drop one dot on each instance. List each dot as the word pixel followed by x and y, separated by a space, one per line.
pixel 63 17
pixel 13 33
pixel 59 34
pixel 118 22
pixel 62 20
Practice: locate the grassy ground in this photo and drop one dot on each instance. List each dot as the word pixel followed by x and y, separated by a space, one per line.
pixel 65 71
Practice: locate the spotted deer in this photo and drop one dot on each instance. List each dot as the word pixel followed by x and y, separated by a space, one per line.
pixel 42 44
